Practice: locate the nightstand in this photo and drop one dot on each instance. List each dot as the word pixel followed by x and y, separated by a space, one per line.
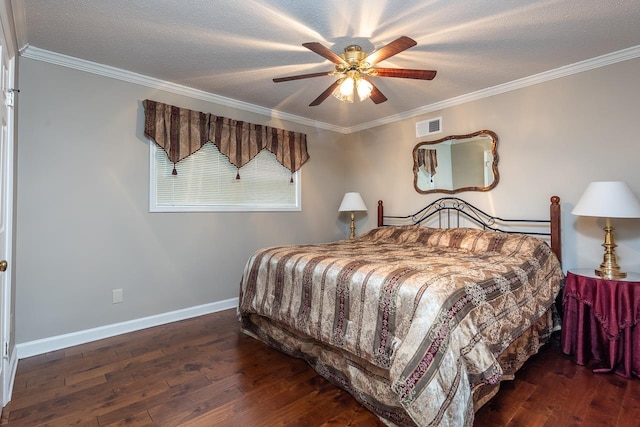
pixel 599 322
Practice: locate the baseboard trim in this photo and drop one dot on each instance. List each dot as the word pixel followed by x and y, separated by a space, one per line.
pixel 45 345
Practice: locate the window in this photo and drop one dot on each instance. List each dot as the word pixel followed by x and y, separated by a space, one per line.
pixel 206 181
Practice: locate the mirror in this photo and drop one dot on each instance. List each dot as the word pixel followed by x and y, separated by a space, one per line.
pixel 456 163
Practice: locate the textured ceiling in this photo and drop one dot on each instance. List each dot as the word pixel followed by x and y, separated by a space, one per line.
pixel 233 48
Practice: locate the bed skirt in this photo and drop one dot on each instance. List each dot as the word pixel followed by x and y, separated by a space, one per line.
pixel 370 384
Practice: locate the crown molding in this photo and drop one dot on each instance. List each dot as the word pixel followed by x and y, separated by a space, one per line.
pixel 117 73
pixel 33 52
pixel 567 70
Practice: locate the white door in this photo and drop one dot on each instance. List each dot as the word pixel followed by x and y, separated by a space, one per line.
pixel 6 208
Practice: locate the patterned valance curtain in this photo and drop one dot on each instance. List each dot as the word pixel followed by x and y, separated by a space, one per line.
pixel 181 132
pixel 428 159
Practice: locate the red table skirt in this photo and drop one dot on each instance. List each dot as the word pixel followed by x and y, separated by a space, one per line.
pixel 600 324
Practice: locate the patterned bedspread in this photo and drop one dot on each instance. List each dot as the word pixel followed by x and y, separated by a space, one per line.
pixel 422 312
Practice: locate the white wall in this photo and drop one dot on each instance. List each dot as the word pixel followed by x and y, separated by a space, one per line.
pixel 554 138
pixel 83 226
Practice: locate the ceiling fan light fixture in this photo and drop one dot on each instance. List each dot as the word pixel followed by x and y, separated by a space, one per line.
pixel 350 84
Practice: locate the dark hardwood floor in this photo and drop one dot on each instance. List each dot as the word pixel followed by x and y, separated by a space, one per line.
pixel 204 372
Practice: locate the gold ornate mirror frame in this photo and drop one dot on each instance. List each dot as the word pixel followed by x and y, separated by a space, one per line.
pixel 456 163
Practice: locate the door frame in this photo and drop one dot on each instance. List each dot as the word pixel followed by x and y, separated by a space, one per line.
pixel 8 352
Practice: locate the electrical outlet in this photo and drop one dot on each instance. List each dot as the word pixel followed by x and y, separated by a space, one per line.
pixel 118 296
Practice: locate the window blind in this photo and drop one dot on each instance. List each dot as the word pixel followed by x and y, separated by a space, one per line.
pixel 206 181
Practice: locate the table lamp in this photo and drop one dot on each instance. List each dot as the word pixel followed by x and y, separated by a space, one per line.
pixel 352 202
pixel 608 199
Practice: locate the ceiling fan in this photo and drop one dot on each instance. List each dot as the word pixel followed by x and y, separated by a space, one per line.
pixel 356 67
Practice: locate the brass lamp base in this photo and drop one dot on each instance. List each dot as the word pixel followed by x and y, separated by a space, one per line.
pixel 610 273
pixel 609 269
pixel 352 234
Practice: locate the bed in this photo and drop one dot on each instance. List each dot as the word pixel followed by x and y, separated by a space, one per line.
pixel 419 323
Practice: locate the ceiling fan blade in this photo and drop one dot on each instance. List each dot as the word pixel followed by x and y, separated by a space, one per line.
pixel 325 52
pixel 376 96
pixel 393 48
pixel 404 73
pixel 301 76
pixel 324 95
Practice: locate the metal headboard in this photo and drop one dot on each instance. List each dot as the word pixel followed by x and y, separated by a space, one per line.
pixel 450 210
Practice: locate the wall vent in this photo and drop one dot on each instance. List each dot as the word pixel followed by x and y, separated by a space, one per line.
pixel 428 127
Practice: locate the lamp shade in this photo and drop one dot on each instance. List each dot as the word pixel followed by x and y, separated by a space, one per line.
pixel 608 199
pixel 352 202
